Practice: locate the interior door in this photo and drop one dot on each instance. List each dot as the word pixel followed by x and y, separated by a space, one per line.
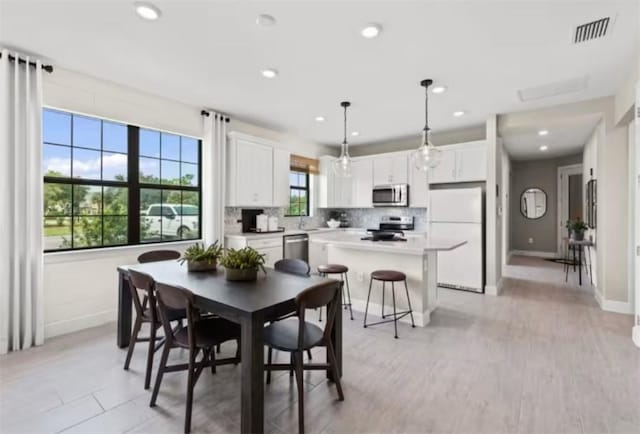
pixel 570 198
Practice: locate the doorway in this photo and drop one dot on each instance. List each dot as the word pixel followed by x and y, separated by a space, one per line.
pixel 570 199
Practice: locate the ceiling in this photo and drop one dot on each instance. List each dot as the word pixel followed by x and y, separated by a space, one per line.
pixel 210 54
pixel 567 135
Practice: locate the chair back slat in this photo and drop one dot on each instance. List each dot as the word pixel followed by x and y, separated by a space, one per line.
pixel 176 297
pixel 293 266
pixel 142 282
pixel 158 255
pixel 318 296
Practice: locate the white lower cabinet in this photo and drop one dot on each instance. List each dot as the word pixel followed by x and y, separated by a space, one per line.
pixel 317 254
pixel 271 247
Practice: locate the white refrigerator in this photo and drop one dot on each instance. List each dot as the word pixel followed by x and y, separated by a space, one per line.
pixel 458 213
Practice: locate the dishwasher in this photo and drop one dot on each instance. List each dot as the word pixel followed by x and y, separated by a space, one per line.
pixel 296 247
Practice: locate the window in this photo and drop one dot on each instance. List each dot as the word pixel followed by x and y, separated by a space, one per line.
pixel 97 172
pixel 298 194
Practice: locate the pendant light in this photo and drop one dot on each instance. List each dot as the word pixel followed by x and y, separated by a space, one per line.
pixel 426 156
pixel 342 164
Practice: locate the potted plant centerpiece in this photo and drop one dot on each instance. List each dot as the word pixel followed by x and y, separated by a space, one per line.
pixel 202 258
pixel 242 264
pixel 576 228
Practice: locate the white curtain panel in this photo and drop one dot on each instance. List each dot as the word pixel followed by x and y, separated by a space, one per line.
pixel 214 147
pixel 21 258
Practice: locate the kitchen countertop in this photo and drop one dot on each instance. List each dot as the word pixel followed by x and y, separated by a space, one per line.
pixel 310 231
pixel 416 244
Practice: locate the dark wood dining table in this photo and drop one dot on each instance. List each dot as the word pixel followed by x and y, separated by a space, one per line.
pixel 249 304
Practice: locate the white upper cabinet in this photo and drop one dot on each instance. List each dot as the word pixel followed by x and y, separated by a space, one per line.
pixel 418 187
pixel 390 169
pixel 362 183
pixel 352 192
pixel 281 169
pixel 471 163
pixel 464 162
pixel 250 171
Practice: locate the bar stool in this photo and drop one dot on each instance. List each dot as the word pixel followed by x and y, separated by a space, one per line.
pixel 325 270
pixel 389 276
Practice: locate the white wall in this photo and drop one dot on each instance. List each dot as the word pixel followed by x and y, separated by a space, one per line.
pixel 493 248
pixel 81 287
pixel 506 209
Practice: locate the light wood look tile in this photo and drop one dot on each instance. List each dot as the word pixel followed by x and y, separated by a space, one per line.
pixel 541 358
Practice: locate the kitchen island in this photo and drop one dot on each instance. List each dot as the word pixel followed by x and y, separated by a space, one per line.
pixel 417 257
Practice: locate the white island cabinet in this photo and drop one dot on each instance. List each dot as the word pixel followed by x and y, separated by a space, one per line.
pixel 417 258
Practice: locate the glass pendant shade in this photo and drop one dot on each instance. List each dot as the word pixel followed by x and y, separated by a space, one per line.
pixel 427 156
pixel 342 164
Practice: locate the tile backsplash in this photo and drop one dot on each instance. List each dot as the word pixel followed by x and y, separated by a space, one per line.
pixel 369 218
pixel 358 217
pixel 232 216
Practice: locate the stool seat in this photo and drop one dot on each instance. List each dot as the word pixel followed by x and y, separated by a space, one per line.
pixel 388 275
pixel 332 269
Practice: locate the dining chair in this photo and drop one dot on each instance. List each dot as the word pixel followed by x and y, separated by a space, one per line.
pixel 293 266
pixel 146 313
pixel 299 268
pixel 295 335
pixel 158 255
pixel 201 335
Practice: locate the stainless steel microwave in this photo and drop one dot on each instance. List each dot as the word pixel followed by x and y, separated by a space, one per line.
pixel 391 195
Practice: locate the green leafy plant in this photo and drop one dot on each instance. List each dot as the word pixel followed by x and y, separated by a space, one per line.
pixel 243 259
pixel 576 225
pixel 199 253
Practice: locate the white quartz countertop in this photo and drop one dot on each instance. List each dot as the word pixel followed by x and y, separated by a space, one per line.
pixel 416 244
pixel 265 236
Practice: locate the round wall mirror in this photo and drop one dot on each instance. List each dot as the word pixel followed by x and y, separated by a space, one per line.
pixel 533 203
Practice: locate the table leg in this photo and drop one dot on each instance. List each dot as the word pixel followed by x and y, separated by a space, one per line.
pixel 252 365
pixel 336 340
pixel 580 265
pixel 590 270
pixel 124 311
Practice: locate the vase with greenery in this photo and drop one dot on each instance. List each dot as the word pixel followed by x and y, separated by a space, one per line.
pixel 201 258
pixel 242 264
pixel 576 229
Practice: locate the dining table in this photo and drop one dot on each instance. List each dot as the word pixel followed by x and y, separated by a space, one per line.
pixel 250 304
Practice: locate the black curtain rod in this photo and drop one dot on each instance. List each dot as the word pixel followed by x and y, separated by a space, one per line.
pixel 47 68
pixel 206 113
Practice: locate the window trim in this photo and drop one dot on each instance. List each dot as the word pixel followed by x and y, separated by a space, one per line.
pixel 306 189
pixel 133 185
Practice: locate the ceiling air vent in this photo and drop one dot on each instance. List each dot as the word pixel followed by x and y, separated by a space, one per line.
pixel 593 30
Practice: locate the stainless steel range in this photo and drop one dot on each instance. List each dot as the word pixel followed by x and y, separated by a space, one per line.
pixel 391 228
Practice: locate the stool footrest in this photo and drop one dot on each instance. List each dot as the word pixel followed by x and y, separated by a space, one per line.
pixel 398 316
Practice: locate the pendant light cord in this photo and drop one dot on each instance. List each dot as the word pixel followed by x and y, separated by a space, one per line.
pixel 344 141
pixel 426 109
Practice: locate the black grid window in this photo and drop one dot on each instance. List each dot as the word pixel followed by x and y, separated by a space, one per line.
pixel 298 194
pixel 97 172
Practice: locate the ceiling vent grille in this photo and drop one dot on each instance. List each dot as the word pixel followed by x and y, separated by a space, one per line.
pixel 593 30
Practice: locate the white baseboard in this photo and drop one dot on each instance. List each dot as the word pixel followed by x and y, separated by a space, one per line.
pixel 421 319
pixel 76 324
pixel 494 289
pixel 636 335
pixel 612 305
pixel 547 255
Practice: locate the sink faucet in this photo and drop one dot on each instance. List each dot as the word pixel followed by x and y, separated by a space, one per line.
pixel 301 222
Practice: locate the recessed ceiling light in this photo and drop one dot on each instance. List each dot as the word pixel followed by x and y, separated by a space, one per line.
pixel 265 20
pixel 269 73
pixel 544 148
pixel 459 113
pixel 320 119
pixel 147 11
pixel 438 89
pixel 543 132
pixel 371 30
pixel 355 133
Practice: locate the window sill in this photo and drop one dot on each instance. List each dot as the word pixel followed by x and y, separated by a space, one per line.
pixel 111 252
